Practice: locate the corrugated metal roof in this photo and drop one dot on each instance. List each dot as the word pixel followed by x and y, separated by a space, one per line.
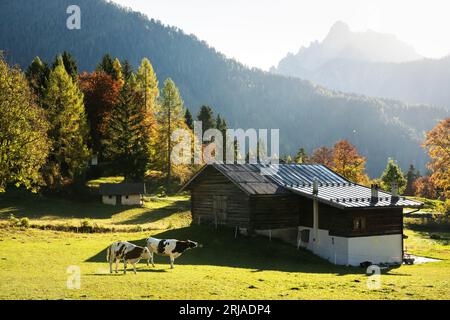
pixel 353 196
pixel 249 178
pixel 122 188
pixel 335 190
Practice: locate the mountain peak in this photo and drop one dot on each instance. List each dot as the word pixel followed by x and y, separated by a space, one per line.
pixel 339 28
pixel 343 44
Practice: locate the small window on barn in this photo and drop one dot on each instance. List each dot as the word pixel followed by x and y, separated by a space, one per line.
pixel 359 224
pixel 126 197
pixel 110 197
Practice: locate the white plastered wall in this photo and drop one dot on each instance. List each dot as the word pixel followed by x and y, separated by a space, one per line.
pixel 132 200
pixel 108 200
pixel 353 251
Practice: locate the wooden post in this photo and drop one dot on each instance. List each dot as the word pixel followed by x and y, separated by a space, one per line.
pixel 199 218
pixel 236 232
pixel 316 220
pixel 299 238
pixel 270 234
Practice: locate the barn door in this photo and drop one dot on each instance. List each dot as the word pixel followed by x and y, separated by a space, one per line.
pixel 118 200
pixel 220 208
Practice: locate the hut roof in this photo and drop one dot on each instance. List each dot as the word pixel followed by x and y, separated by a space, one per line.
pixel 108 189
pixel 333 189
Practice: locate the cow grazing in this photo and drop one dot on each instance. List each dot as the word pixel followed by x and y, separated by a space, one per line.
pixel 171 248
pixel 128 252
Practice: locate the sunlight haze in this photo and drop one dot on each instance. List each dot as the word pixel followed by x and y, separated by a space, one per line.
pixel 260 33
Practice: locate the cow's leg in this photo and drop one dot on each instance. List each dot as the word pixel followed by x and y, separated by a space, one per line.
pixel 110 264
pixel 151 259
pixel 117 265
pixel 124 266
pixel 134 267
pixel 172 260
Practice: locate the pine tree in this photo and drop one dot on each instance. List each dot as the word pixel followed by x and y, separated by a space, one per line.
pixel 188 119
pixel 127 70
pixel 127 140
pixel 301 156
pixel 411 176
pixel 68 126
pixel 106 65
pixel 221 125
pixel 205 115
pixel 393 174
pixel 37 75
pixel 24 144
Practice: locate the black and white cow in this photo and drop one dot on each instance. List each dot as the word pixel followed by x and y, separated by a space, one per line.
pixel 128 252
pixel 171 248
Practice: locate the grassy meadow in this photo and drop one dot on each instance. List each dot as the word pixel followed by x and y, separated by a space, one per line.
pixel 34 260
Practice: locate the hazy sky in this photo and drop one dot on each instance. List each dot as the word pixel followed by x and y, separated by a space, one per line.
pixel 260 32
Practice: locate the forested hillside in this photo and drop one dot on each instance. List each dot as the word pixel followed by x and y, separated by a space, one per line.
pixel 307 115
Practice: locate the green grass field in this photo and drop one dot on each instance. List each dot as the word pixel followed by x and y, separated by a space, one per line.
pixel 34 262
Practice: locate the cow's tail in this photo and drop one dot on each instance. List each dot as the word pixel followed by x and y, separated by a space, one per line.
pixel 108 253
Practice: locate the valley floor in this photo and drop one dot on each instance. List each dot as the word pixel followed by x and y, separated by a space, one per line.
pixel 34 264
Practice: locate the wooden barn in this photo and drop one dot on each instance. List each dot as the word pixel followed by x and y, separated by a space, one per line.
pixel 308 205
pixel 127 194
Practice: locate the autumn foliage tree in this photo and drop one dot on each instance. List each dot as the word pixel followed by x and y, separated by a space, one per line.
pixel 424 187
pixel 438 144
pixel 348 162
pixel 101 94
pixel 323 155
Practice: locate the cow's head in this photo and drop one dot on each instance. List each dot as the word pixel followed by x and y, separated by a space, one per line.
pixel 193 244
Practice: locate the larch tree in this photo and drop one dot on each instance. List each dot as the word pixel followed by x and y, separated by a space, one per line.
pixel 323 155
pixel 170 117
pixel 127 139
pixel 147 85
pixel 70 64
pixel 393 175
pixel 68 127
pixel 24 145
pixel 117 73
pixel 348 162
pixel 438 144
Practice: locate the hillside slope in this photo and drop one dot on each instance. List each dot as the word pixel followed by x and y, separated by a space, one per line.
pixel 307 115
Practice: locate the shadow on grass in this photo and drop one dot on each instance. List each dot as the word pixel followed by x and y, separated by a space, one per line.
pixel 220 248
pixel 35 207
pixel 150 215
